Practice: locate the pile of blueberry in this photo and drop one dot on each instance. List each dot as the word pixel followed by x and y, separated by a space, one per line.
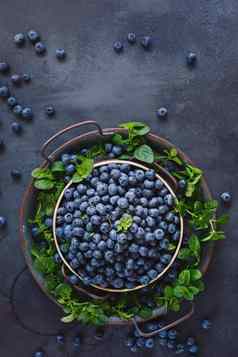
pixel 88 221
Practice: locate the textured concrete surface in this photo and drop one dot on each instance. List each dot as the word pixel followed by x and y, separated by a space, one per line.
pixel 96 83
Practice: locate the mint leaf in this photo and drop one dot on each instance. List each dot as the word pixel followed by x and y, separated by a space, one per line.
pixel 168 292
pixel 42 173
pixel 194 244
pixel 83 170
pixel 57 166
pixel 44 184
pixel 144 153
pixel 124 223
pixel 138 128
pixel 184 277
pixel 195 274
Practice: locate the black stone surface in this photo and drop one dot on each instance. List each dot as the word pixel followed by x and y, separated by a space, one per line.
pixel 94 82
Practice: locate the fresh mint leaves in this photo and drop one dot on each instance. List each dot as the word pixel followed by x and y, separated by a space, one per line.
pixel 124 223
pixel 83 170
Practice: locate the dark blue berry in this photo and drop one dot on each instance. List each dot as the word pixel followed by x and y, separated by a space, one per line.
pixel 27 113
pixel 12 101
pixel 149 343
pixel 16 174
pixel 131 38
pixel 118 46
pixel 16 128
pixel 60 54
pixel 191 59
pixel 206 324
pixel 4 92
pixel 226 197
pixel 73 279
pixel 182 184
pixel 39 354
pixel 33 36
pixel 26 77
pixel 50 110
pixel 162 113
pixel 3 222
pixel 17 110
pixel 76 342
pixel 60 339
pixel 193 349
pixel 16 79
pixel 40 48
pixel 146 42
pixel 4 67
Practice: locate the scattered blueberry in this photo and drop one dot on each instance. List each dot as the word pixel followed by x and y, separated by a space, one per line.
pixel 146 42
pixel 50 110
pixel 16 128
pixel 4 67
pixel 60 339
pixel 27 113
pixel 40 48
pixel 39 354
pixel 26 77
pixel 226 197
pixel 193 349
pixel 118 46
pixel 12 101
pixel 3 222
pixel 131 38
pixel 60 54
pixel 17 110
pixel 206 324
pixel 191 59
pixel 19 39
pixel 33 36
pixel 16 174
pixel 4 92
pixel 76 342
pixel 162 113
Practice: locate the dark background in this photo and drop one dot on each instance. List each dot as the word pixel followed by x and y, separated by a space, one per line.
pixel 96 83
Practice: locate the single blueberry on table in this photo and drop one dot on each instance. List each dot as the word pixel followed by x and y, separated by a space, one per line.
pixel 17 110
pixel 27 113
pixel 16 128
pixel 191 59
pixel 60 339
pixel 39 354
pixel 193 349
pixel 172 334
pixel 149 343
pixel 77 342
pixel 12 101
pixel 16 174
pixel 33 36
pixel 3 222
pixel 26 77
pixel 40 48
pixel 131 38
pixel 16 79
pixel 226 197
pixel 4 67
pixel 118 46
pixel 50 110
pixel 162 113
pixel 4 92
pixel 146 42
pixel 206 324
pixel 60 54
pixel 190 341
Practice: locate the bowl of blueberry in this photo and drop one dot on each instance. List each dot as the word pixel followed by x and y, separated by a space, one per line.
pixel 114 230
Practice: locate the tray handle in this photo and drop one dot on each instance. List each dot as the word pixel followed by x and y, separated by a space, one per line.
pixel 167 327
pixel 65 130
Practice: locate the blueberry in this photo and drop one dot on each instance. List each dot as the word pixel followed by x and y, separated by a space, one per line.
pixel 12 101
pixel 172 334
pixel 105 228
pixel 108 256
pixel 131 38
pixel 108 147
pixel 95 220
pixel 27 113
pixel 59 232
pixel 39 354
pixel 158 184
pixel 73 279
pixel 4 67
pixel 123 203
pixel 34 230
pixel 113 235
pixel 159 234
pixel 118 283
pixel 60 339
pixel 78 232
pixel 165 259
pixel 123 180
pixel 68 217
pixel 76 342
pixel 50 110
pixel 40 48
pixel 193 349
pixel 102 189
pixel 226 197
pixel 180 348
pixel 17 110
pixel 65 158
pixel 162 113
pixel 148 184
pixel 163 342
pixel 163 209
pixel 171 228
pixel 206 324
pixel 171 344
pixel 60 53
pixel 146 42
pixel 149 343
pixel 143 251
pixel 133 348
pixel 152 273
pixel 112 189
pixel 16 128
pixel 70 169
pixel 163 334
pixel 16 79
pixel 117 150
pixel 4 92
pixel 26 77
pixel 144 280
pixel 122 238
pixel 33 36
pixel 139 175
pixel 190 341
pixel 118 46
pixel 48 222
pixel 182 184
pixel 191 59
pixel 163 225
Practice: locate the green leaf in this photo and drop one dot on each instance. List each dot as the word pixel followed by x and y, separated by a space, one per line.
pixel 63 291
pixel 195 274
pixel 184 254
pixel 69 318
pixel 42 173
pixel 138 128
pixel 194 244
pixel 224 219
pixel 199 284
pixel 83 170
pixel 145 312
pixel 193 290
pixel 214 235
pixel 57 166
pixel 144 153
pixel 44 184
pixel 168 292
pixel 188 294
pixel 174 305
pixel 95 151
pixel 184 277
pixel 124 223
pixel 179 291
pixel 118 139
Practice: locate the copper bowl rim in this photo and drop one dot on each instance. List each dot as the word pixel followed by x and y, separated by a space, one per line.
pixel 168 266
